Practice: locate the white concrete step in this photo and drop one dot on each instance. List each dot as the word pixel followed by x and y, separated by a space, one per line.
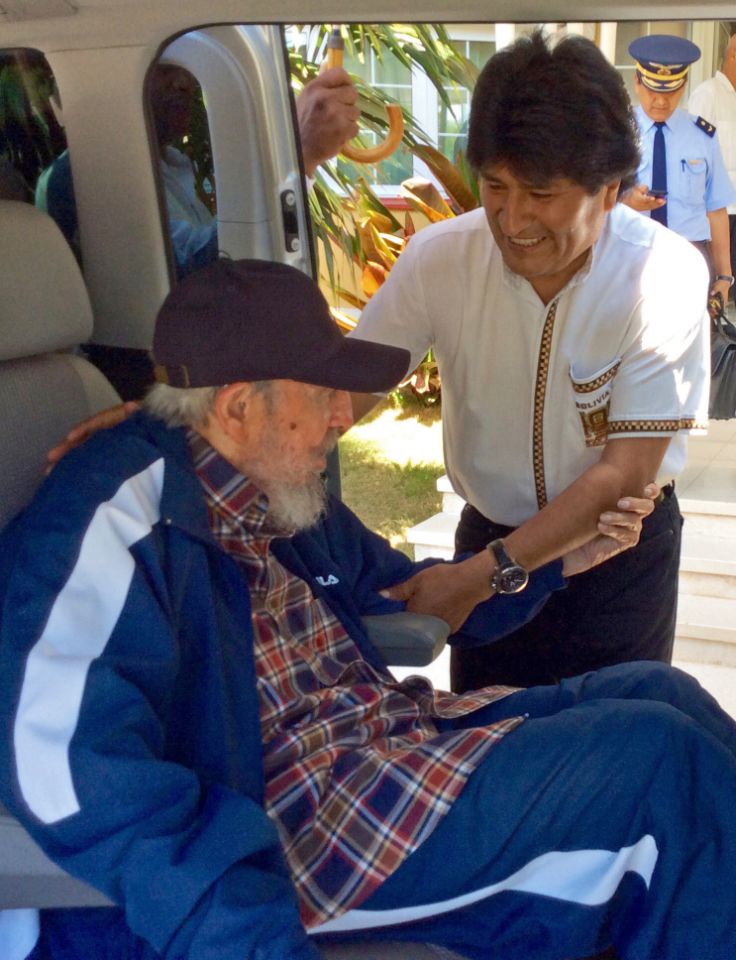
pixel 709 518
pixel 708 585
pixel 708 566
pixel 704 554
pixel 706 629
pixel 451 502
pixel 434 537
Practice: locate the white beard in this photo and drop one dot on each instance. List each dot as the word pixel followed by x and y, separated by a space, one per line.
pixel 292 508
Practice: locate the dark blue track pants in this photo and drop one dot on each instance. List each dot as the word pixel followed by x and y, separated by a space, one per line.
pixel 608 817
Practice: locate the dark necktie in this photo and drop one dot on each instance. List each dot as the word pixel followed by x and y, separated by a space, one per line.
pixel 659 173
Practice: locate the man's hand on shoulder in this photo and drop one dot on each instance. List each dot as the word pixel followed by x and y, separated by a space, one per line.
pixel 84 430
pixel 328 116
pixel 618 531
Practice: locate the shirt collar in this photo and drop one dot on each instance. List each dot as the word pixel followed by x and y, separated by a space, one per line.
pixel 524 286
pixel 646 122
pixel 233 496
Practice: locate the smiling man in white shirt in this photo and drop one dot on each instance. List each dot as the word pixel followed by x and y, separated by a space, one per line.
pixel 570 337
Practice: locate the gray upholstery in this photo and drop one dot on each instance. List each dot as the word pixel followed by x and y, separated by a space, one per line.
pixel 41 398
pixel 44 304
pixel 45 388
pixel 29 878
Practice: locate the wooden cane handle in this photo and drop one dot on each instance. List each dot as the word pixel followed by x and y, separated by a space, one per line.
pixel 335 50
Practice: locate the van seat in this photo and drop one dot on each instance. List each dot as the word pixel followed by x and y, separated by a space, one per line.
pixel 45 314
pixel 46 387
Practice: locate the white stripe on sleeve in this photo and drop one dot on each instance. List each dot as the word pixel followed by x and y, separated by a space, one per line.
pixel 80 624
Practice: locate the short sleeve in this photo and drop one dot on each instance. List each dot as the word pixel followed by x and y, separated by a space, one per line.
pixel 397 314
pixel 702 102
pixel 662 385
pixel 720 192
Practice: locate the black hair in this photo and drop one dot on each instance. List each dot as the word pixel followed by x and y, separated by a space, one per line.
pixel 554 111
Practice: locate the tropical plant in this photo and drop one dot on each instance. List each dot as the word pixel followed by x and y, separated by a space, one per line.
pixel 427 47
pixel 347 214
pixel 30 136
pixel 380 239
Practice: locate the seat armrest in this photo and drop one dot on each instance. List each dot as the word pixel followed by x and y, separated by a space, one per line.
pixel 407 639
pixel 29 879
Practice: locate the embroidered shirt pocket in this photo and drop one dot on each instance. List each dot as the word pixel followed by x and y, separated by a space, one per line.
pixel 592 400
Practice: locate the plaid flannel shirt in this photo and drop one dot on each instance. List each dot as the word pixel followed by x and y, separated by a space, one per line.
pixel 357 772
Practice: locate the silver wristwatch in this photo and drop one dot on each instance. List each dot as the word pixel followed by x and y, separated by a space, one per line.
pixel 509 576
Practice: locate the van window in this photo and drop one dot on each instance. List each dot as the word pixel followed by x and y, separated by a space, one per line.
pixel 31 136
pixel 183 149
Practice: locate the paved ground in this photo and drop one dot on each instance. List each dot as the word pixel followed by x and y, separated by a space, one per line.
pixel 711 475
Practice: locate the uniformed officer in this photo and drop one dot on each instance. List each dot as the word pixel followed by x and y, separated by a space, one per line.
pixel 683 181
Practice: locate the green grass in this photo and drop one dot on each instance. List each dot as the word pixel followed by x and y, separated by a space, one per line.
pixel 390 463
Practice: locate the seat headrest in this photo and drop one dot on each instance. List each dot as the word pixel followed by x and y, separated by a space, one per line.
pixel 44 304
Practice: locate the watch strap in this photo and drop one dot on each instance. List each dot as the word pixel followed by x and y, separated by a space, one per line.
pixel 497 549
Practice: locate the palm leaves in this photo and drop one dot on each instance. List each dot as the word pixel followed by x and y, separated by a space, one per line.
pixel 341 203
pixel 347 214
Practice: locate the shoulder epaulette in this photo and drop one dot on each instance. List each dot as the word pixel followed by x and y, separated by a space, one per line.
pixel 706 126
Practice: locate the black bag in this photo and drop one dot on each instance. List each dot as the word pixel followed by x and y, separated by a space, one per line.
pixel 722 366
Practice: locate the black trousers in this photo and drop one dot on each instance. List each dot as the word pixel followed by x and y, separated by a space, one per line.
pixel 622 610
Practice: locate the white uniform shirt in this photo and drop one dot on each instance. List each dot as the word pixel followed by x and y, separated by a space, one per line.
pixel 530 393
pixel 715 99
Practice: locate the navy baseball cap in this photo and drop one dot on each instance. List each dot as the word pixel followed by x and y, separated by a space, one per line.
pixel 253 320
pixel 662 61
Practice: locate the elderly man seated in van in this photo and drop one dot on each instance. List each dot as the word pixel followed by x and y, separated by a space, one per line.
pixel 196 723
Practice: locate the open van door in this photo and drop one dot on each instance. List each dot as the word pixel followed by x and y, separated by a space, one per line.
pixel 116 170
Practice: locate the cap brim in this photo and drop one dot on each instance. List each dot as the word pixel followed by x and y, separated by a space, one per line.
pixel 358 365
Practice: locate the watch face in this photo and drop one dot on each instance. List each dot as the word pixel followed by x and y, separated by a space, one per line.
pixel 513 579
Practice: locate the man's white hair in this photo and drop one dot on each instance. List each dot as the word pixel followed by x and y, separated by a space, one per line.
pixel 191 406
pixel 180 406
